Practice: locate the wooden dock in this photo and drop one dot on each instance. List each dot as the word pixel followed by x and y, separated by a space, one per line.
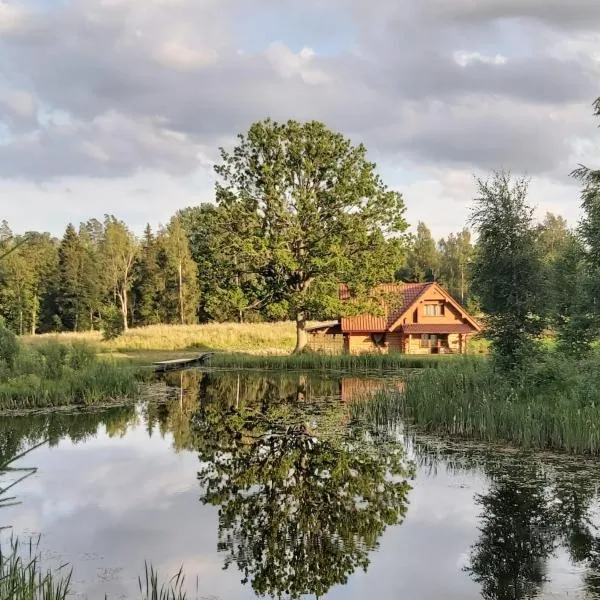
pixel 178 364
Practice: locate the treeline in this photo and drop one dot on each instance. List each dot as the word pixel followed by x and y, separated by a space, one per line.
pixel 96 276
pixel 184 273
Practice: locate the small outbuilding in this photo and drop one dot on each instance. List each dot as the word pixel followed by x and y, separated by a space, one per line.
pixel 415 318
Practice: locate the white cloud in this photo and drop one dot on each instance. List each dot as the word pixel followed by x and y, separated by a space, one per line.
pixel 108 89
pixel 464 58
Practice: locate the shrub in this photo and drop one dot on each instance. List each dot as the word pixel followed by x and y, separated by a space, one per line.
pixel 112 323
pixel 9 347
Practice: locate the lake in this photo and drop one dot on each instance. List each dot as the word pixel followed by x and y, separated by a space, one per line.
pixel 269 485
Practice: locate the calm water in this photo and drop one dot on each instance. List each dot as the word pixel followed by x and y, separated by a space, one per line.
pixel 263 485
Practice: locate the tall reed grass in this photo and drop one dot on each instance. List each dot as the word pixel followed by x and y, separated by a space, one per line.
pixel 555 405
pixel 364 363
pixel 54 374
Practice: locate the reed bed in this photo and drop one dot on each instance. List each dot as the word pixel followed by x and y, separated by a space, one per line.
pixel 364 363
pixel 555 405
pixel 56 374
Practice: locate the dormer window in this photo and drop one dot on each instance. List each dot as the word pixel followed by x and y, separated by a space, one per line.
pixel 433 310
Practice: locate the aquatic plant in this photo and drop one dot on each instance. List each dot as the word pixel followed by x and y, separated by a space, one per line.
pixel 364 363
pixel 554 405
pixel 56 374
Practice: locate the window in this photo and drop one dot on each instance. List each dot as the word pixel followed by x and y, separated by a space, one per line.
pixel 429 340
pixel 433 310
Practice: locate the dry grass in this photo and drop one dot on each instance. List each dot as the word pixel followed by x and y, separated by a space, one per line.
pixel 256 338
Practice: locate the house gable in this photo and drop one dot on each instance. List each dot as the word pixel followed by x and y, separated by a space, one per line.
pixel 434 306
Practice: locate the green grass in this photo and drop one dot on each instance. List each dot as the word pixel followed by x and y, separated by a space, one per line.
pixel 54 374
pixel 555 405
pixel 365 363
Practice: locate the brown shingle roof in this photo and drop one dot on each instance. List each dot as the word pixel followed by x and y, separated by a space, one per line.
pixel 406 293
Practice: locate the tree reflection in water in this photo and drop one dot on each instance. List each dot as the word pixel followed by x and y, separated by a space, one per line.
pixel 303 497
pixel 530 510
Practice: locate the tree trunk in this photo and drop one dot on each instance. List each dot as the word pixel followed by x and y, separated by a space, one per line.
pixel 123 298
pixel 34 315
pixel 301 336
pixel 181 315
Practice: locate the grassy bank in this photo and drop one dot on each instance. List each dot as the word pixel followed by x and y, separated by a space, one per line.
pixel 55 374
pixel 555 405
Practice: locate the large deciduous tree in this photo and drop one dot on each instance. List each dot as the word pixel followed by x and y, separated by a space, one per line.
pixel 305 210
pixel 507 270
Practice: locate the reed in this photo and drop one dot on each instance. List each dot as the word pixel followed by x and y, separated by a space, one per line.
pixel 23 578
pixel 554 405
pixel 54 374
pixel 364 363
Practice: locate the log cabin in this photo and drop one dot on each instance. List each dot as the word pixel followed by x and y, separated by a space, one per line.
pixel 415 318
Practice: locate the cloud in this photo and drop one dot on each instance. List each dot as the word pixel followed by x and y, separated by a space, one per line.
pixel 110 88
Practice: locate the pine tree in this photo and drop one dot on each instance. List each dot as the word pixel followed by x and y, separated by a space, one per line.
pixel 70 294
pixel 148 283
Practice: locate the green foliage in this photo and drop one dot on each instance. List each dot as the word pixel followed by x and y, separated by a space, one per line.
pixel 507 271
pixel 572 309
pixel 58 374
pixel 304 209
pixel 300 508
pixel 112 322
pixel 366 363
pixel 9 347
pixel 23 578
pixel 456 256
pixel 423 263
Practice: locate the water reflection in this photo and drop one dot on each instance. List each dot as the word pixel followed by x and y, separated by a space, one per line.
pixel 530 511
pixel 301 506
pixel 305 489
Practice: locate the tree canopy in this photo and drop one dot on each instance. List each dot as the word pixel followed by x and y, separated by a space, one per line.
pixel 305 208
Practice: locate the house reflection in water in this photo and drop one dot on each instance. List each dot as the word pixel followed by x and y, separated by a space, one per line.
pixel 355 388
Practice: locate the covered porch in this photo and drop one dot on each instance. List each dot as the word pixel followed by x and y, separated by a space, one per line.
pixel 436 339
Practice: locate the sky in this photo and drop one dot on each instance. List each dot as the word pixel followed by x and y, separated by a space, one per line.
pixel 119 106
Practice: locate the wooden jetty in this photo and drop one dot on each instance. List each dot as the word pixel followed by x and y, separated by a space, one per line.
pixel 178 364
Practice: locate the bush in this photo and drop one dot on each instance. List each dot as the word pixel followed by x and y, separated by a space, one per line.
pixel 9 347
pixel 112 323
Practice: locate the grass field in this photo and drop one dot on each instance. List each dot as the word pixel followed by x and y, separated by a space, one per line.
pixel 260 338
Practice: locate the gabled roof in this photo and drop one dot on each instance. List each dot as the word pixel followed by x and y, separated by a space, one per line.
pixel 407 294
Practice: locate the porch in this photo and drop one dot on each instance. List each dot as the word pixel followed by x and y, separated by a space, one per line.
pixel 436 339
